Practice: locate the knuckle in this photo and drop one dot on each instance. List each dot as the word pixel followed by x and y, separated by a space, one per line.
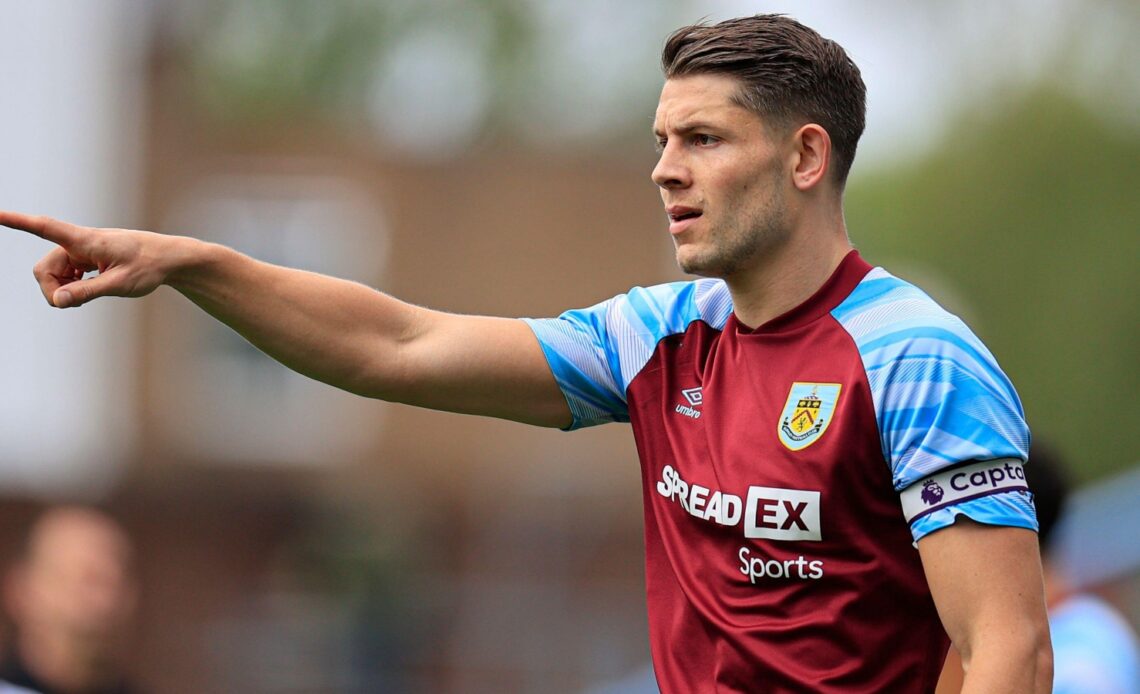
pixel 41 273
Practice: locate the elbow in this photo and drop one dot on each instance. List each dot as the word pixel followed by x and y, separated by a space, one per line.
pixel 1018 662
pixel 1038 647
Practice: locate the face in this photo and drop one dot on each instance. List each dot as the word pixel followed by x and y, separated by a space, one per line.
pixel 76 580
pixel 721 175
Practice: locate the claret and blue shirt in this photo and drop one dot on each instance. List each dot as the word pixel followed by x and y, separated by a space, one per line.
pixel 789 470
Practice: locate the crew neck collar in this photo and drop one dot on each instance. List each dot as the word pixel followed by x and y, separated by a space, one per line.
pixel 831 293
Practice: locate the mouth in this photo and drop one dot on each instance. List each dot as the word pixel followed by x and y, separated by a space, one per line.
pixel 681 218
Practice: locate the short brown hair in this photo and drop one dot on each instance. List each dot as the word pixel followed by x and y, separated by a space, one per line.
pixel 788 73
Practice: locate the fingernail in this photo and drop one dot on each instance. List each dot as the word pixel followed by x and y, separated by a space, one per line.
pixel 62 298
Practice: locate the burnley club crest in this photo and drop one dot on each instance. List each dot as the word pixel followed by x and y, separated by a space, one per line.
pixel 807 413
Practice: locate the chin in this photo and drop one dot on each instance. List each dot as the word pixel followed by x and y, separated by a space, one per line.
pixel 701 267
pixel 703 261
pixel 687 262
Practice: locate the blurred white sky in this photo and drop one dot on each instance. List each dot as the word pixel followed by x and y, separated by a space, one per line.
pixel 69 78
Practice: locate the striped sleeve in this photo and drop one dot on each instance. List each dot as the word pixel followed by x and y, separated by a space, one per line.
pixel 941 403
pixel 596 352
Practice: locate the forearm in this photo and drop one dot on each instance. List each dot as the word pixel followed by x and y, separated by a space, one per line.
pixel 340 332
pixel 336 331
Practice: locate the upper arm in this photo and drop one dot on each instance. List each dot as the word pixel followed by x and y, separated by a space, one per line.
pixel 478 365
pixel 987 584
pixel 953 433
pixel 570 371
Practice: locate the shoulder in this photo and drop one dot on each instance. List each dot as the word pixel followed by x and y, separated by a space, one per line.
pixel 637 320
pixel 667 309
pixel 884 310
pixel 904 335
pixel 595 352
pixel 653 312
pixel 629 326
pixel 940 397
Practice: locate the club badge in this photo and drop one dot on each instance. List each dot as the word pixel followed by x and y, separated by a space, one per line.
pixel 807 413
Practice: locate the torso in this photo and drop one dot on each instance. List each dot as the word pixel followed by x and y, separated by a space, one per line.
pixel 797 560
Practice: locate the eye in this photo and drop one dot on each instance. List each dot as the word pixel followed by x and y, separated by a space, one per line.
pixel 660 145
pixel 702 140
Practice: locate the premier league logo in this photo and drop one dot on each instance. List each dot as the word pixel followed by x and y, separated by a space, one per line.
pixel 807 413
pixel 931 493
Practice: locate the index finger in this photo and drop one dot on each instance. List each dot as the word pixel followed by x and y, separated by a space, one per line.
pixel 45 227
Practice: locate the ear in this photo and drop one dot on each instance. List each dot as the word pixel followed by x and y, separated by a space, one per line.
pixel 813 156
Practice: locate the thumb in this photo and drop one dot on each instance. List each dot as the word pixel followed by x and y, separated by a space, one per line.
pixel 77 293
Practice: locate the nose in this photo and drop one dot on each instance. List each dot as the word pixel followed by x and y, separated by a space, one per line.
pixel 671 171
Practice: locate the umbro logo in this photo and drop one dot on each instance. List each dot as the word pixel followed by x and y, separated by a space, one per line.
pixel 695 397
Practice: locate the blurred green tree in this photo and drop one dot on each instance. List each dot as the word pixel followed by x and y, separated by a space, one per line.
pixel 483 67
pixel 1032 212
pixel 283 59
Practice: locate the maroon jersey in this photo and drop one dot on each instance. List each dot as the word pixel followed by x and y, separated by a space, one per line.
pixel 778 554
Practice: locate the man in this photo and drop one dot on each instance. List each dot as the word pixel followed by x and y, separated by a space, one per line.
pixel 71 597
pixel 781 405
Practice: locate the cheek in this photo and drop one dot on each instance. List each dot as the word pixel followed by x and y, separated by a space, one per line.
pixel 738 194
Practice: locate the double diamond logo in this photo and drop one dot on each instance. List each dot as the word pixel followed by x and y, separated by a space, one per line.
pixel 694 397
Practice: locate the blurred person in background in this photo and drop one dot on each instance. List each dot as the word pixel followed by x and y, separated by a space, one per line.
pixel 804 419
pixel 71 598
pixel 1095 650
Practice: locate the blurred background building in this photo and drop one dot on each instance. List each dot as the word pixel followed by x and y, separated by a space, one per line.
pixel 493 157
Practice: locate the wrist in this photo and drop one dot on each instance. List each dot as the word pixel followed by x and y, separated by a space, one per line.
pixel 190 261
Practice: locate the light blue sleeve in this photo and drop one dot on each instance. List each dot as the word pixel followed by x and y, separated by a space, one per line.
pixel 596 352
pixel 940 398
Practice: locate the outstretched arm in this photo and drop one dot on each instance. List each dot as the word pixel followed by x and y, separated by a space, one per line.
pixel 987 585
pixel 336 331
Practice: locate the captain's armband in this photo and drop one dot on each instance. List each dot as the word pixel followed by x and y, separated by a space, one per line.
pixel 955 485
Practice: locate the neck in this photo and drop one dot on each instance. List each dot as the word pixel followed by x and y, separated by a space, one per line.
pixel 788 275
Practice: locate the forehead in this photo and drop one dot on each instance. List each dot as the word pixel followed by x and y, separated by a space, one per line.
pixel 698 98
pixel 74 537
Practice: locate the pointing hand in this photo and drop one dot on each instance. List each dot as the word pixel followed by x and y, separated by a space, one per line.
pixel 129 263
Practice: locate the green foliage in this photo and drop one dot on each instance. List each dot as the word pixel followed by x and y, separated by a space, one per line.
pixel 1032 213
pixel 265 61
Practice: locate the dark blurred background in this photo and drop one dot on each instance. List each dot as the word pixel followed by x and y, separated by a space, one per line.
pixel 493 156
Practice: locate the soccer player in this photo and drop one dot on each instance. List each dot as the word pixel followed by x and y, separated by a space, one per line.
pixel 831 463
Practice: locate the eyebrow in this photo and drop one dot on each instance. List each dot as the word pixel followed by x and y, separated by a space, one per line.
pixel 685 128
